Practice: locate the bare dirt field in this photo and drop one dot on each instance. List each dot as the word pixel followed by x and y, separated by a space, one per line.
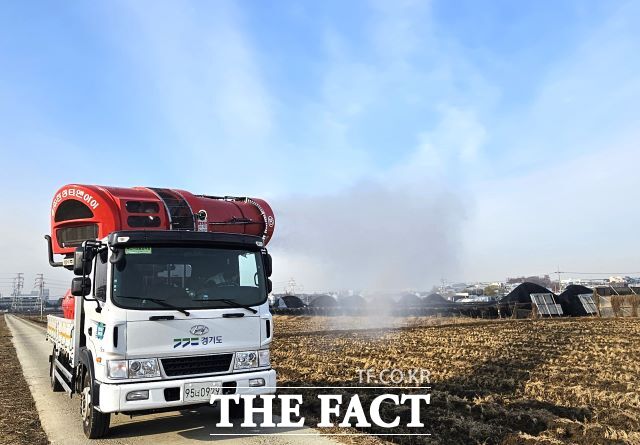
pixel 297 324
pixel 19 421
pixel 570 381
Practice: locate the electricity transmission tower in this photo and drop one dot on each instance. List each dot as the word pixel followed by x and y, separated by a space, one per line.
pixel 39 284
pixel 18 283
pixel 291 287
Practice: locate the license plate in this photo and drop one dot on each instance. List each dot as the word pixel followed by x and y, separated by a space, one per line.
pixel 201 391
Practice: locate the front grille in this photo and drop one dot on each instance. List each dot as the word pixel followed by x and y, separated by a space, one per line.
pixel 200 364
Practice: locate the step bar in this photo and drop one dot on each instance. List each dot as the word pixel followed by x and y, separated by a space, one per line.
pixel 64 376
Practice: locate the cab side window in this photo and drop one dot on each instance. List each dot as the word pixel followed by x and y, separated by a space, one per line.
pixel 100 277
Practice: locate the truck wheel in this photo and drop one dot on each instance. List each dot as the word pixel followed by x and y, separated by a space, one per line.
pixel 94 423
pixel 55 384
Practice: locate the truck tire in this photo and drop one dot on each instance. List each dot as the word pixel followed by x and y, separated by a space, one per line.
pixel 55 384
pixel 94 423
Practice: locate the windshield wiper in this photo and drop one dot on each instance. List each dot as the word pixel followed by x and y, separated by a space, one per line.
pixel 230 302
pixel 160 302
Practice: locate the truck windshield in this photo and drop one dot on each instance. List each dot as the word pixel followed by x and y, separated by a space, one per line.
pixel 188 278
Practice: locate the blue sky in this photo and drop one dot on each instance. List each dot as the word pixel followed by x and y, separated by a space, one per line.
pixel 502 131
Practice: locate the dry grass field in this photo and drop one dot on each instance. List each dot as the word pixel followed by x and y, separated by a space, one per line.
pixel 19 421
pixel 296 324
pixel 569 381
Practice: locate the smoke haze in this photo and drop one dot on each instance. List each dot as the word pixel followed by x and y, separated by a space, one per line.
pixel 374 236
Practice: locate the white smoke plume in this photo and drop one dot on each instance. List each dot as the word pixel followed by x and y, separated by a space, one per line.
pixel 373 236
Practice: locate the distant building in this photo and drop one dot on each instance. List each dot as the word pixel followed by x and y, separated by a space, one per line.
pixel 30 302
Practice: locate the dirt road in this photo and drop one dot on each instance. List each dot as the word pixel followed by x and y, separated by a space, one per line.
pixel 60 415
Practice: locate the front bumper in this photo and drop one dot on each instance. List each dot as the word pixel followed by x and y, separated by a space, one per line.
pixel 113 397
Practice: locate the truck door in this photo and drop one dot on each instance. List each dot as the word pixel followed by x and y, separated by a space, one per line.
pixel 94 326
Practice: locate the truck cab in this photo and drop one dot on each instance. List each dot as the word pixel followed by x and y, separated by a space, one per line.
pixel 164 319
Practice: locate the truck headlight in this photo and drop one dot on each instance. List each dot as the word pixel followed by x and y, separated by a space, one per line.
pixel 246 359
pixel 117 369
pixel 264 358
pixel 145 367
pixel 133 369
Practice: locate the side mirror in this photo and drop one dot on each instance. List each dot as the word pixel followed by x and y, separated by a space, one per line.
pixel 269 286
pixel 268 264
pixel 82 261
pixel 81 287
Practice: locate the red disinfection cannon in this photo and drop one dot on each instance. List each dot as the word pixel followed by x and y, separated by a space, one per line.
pixel 82 212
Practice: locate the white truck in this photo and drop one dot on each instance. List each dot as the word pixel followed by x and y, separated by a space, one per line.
pixel 164 316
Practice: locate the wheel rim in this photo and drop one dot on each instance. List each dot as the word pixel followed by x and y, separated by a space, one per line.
pixel 85 403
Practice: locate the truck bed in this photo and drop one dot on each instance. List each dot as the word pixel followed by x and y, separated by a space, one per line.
pixel 60 332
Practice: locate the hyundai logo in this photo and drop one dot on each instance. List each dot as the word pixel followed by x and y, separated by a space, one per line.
pixel 199 329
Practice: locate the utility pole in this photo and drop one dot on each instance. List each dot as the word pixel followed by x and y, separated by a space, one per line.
pixel 39 283
pixel 18 283
pixel 559 283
